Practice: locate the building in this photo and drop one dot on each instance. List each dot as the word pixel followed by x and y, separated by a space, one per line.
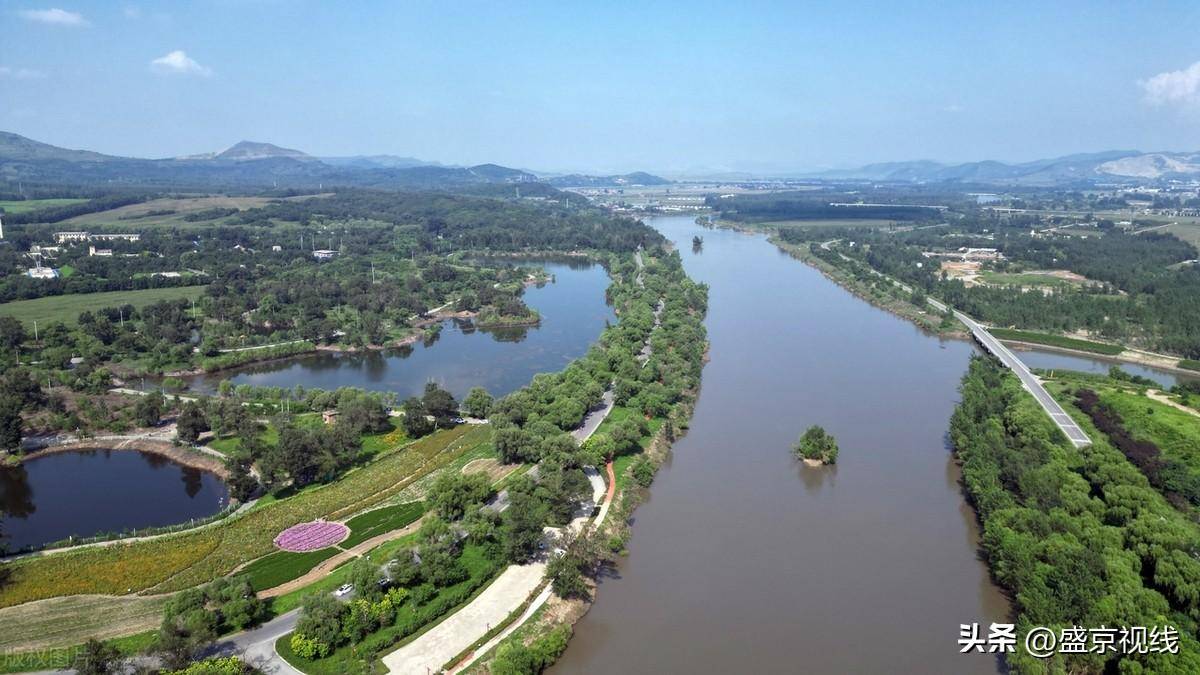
pixel 69 237
pixel 324 254
pixel 103 252
pixel 40 272
pixel 116 237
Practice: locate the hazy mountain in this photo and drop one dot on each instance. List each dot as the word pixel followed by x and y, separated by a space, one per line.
pixel 378 162
pixel 246 164
pixel 14 147
pixel 1113 165
pixel 624 180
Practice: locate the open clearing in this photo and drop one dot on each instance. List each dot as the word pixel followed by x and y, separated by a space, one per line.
pixel 170 212
pixel 66 308
pixel 42 624
pixel 27 205
pixel 491 466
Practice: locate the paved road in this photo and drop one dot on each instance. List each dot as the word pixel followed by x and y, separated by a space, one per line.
pixel 1032 384
pixel 593 419
pixel 257 647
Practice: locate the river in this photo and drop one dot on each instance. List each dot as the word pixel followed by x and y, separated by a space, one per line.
pixel 573 312
pixel 744 560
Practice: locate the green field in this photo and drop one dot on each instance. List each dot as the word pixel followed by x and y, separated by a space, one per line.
pixel 1190 364
pixel 1056 341
pixel 283 566
pixel 66 308
pixel 381 521
pixel 1026 279
pixel 27 205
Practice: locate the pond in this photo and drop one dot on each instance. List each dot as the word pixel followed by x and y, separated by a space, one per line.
pixel 85 493
pixel 573 312
pixel 1051 360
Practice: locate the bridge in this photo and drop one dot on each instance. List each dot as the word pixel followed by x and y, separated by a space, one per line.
pixel 1030 381
pixel 993 346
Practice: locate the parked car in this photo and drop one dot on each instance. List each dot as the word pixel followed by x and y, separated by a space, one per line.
pixel 344 590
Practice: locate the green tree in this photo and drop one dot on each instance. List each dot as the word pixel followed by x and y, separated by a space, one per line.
pixel 416 418
pixel 321 620
pixel 11 424
pixel 192 422
pixel 439 403
pixel 149 409
pixel 97 658
pixel 478 403
pixel 452 493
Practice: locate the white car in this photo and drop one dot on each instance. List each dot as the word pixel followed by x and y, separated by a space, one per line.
pixel 343 590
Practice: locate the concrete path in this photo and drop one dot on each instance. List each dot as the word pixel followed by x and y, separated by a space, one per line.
pixel 593 419
pixel 434 648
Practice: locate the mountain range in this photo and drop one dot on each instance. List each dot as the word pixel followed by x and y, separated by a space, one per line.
pixel 251 163
pixel 1100 167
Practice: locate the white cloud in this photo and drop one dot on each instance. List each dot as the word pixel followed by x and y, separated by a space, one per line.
pixel 1174 86
pixel 54 16
pixel 953 108
pixel 7 72
pixel 132 12
pixel 179 63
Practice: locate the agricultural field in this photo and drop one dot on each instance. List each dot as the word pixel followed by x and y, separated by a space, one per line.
pixel 1189 232
pixel 40 625
pixel 173 212
pixel 182 561
pixel 66 308
pixel 27 205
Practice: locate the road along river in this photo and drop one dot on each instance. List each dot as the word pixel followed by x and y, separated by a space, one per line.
pixel 744 560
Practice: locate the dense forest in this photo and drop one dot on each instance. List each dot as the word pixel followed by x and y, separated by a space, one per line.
pixel 1078 536
pixel 807 206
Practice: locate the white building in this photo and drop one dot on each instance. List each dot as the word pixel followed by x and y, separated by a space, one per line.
pixel 40 272
pixel 66 237
pixel 324 254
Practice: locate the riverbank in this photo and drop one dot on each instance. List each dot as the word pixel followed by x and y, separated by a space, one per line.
pixel 178 454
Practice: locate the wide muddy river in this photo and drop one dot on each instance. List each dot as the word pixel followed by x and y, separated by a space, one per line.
pixel 744 560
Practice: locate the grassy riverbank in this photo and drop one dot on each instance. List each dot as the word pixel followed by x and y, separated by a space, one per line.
pixel 1056 341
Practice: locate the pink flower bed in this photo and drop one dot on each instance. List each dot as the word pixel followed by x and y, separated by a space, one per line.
pixel 311 536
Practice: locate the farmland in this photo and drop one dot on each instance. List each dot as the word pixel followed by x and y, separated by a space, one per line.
pixel 66 308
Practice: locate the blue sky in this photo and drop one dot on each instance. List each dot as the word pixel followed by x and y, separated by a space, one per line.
pixel 606 86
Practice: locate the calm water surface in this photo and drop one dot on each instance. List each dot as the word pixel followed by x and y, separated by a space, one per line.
pixel 746 561
pixel 1036 358
pixel 87 493
pixel 573 312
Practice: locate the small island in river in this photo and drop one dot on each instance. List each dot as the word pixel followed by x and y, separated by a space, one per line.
pixel 816 447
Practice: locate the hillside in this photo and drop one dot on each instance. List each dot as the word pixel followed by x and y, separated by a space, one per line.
pixel 1115 165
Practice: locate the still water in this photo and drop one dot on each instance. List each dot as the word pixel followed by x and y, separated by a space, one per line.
pixel 744 560
pixel 86 493
pixel 573 311
pixel 1037 358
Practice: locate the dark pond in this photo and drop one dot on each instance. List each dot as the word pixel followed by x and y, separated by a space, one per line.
pixel 86 493
pixel 573 311
pixel 745 561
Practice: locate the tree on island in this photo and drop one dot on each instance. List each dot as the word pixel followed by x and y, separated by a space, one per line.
pixel 816 444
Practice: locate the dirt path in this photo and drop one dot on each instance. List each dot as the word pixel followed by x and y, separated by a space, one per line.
pixel 1163 398
pixel 322 570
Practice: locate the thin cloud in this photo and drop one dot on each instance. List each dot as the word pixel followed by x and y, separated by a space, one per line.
pixel 1174 86
pixel 179 63
pixel 953 108
pixel 54 16
pixel 7 72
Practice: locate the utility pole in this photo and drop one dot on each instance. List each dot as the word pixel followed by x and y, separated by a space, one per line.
pixel 35 331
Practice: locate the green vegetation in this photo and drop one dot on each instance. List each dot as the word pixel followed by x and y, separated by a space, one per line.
pixel 1056 341
pixel 815 444
pixel 57 659
pixel 1076 535
pixel 381 521
pixel 26 205
pixel 244 356
pixel 282 566
pixel 67 308
pixel 1190 364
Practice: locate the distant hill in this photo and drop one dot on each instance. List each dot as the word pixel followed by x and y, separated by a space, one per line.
pixel 1110 166
pixel 251 150
pixel 624 180
pixel 377 162
pixel 246 164
pixel 14 147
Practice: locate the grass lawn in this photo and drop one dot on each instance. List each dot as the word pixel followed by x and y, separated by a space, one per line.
pixel 283 566
pixel 372 444
pixel 1026 279
pixel 1056 341
pixel 27 205
pixel 410 620
pixel 66 308
pixel 621 464
pixel 1190 364
pixel 381 521
pixel 1175 432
